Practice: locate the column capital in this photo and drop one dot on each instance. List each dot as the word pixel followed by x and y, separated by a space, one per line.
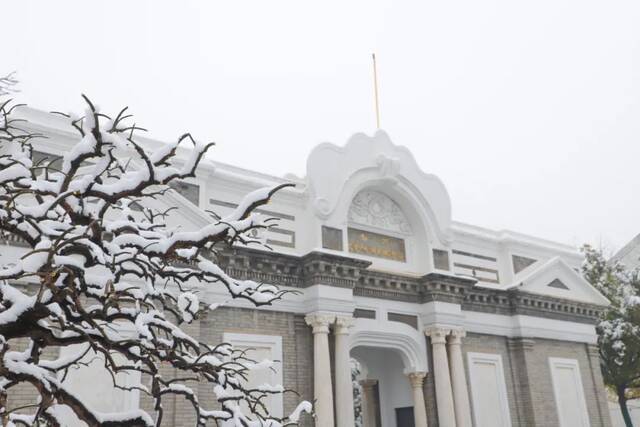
pixel 455 338
pixel 343 324
pixel 438 335
pixel 319 322
pixel 416 378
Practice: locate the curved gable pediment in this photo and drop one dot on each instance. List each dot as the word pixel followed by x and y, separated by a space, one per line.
pixel 337 174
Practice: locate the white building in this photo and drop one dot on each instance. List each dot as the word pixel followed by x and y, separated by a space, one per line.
pixel 453 324
pixel 629 255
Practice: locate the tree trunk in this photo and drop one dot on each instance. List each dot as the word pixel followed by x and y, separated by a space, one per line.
pixel 622 401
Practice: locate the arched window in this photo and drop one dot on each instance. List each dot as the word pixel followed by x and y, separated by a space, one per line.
pixel 377 227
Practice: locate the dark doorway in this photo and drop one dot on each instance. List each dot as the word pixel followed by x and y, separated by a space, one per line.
pixel 404 417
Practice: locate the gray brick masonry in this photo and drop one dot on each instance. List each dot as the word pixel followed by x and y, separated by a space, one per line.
pixel 297 349
pixel 525 361
pixel 528 377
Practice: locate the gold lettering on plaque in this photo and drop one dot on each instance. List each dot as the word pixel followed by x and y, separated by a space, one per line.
pixel 376 245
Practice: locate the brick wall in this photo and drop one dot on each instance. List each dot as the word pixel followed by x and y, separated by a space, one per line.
pixel 497 345
pixel 297 347
pixel 525 361
pixel 528 377
pixel 25 394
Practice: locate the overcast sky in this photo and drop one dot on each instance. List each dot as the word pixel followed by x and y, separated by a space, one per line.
pixel 529 111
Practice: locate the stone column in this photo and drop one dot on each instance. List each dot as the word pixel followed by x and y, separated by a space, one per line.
pixel 369 402
pixel 419 408
pixel 458 379
pixel 322 388
pixel 444 396
pixel 344 386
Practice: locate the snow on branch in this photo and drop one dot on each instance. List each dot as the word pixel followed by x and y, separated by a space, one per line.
pixel 117 280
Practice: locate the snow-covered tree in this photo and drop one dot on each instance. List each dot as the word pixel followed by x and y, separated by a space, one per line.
pixel 619 326
pixel 104 274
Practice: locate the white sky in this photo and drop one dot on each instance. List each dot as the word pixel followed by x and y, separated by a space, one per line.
pixel 529 111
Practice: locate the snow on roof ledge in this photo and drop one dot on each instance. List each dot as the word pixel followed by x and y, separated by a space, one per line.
pixel 513 237
pixel 438 199
pixel 536 278
pixel 53 124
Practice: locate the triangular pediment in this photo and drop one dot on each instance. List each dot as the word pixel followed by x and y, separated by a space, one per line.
pixel 556 278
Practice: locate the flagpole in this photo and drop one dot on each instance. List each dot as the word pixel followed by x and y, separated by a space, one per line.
pixel 375 90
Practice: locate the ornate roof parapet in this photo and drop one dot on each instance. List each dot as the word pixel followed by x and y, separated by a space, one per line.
pixel 375 161
pixel 377 284
pixel 552 307
pixel 512 302
pixel 13 240
pixel 445 288
pixel 261 266
pixel 431 287
pixel 485 300
pixel 319 268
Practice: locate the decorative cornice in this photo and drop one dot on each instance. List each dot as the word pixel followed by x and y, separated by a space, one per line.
pixel 556 308
pixel 446 288
pixel 261 266
pixel 320 268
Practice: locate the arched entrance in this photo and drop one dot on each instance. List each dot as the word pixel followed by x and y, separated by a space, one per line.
pixel 393 364
pixel 386 394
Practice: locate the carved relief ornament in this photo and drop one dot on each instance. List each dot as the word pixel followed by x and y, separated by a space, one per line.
pixel 376 209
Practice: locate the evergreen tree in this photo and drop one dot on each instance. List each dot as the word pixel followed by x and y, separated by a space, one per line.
pixel 619 327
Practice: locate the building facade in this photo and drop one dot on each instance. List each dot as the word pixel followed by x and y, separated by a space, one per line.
pixel 629 254
pixel 452 324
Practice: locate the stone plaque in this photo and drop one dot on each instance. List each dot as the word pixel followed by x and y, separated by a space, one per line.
pixel 376 245
pixel 441 259
pixel 331 238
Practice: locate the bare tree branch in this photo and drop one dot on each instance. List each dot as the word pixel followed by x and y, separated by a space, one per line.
pixel 127 295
